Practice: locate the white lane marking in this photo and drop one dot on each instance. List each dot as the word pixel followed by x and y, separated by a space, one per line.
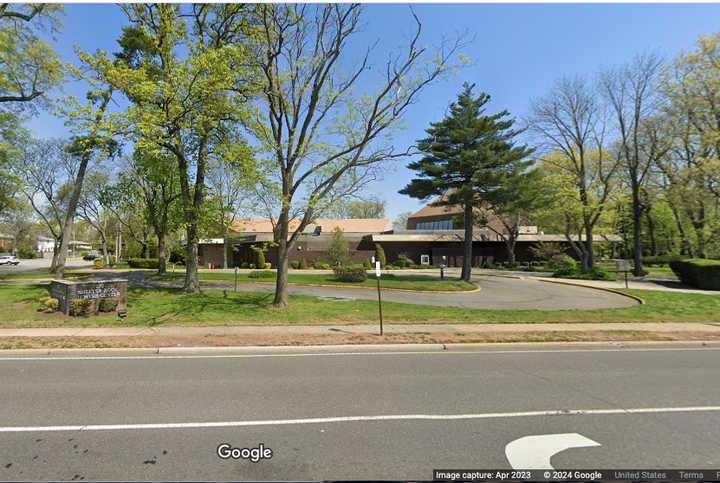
pixel 345 419
pixel 336 354
pixel 535 452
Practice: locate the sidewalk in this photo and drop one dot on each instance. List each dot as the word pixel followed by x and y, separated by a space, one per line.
pixel 663 286
pixel 175 331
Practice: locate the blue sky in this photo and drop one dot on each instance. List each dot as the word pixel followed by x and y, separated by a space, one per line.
pixel 518 52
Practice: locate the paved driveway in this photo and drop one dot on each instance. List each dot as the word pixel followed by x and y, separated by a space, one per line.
pixel 495 293
pixel 28 265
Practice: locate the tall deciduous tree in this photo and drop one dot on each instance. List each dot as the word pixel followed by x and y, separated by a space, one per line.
pixel 571 126
pixel 323 142
pixel 188 72
pixel 467 157
pixel 633 97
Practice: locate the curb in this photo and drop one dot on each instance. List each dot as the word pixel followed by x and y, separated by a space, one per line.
pixel 604 289
pixel 354 349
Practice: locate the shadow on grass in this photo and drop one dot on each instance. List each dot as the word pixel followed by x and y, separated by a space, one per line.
pixel 159 305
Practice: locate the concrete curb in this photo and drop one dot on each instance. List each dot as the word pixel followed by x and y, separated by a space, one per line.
pixel 604 289
pixel 351 349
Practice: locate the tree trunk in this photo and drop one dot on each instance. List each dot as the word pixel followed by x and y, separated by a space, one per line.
pixel 651 233
pixel 588 261
pixel 468 242
pixel 56 250
pixel 59 270
pixel 685 247
pixel 281 283
pixel 162 262
pixel 192 282
pixel 104 248
pixel 637 236
pixel 225 248
pixel 510 244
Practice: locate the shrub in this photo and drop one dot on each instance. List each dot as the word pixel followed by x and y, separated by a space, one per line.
pixel 351 274
pixel 267 265
pixel 663 259
pixel 303 264
pixel 244 265
pixel 698 272
pixel 562 264
pixel 251 265
pixel 98 262
pixel 112 260
pixel 143 263
pixel 80 307
pixel 108 305
pixel 338 249
pixel 26 253
pixel 295 264
pixel 368 265
pixel 259 256
pixel 261 274
pixel 177 255
pixel 380 255
pixel 317 264
pixel 403 261
pixel 49 304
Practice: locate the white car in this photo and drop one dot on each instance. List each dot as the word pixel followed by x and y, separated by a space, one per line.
pixel 9 260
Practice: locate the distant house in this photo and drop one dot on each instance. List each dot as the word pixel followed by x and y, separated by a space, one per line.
pixel 6 242
pixel 311 244
pixel 44 246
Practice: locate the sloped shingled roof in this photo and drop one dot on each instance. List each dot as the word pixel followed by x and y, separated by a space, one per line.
pixel 328 225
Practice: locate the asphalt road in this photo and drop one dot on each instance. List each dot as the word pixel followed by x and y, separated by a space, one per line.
pixel 495 293
pixel 650 408
pixel 28 265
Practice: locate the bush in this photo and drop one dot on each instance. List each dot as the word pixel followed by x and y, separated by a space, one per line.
pixel 267 265
pixel 108 305
pixel 26 253
pixel 112 260
pixel 143 263
pixel 49 304
pixel 698 272
pixel 562 264
pixel 80 307
pixel 261 274
pixel 259 257
pixel 317 264
pixel 251 265
pixel 295 264
pixel 177 255
pixel 302 264
pixel 244 265
pixel 663 259
pixel 98 262
pixel 380 255
pixel 368 265
pixel 403 261
pixel 351 274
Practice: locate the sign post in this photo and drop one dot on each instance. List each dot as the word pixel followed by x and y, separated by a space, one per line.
pixel 623 266
pixel 236 273
pixel 442 267
pixel 377 276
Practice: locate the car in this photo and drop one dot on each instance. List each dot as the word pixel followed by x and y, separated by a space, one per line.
pixel 9 260
pixel 90 257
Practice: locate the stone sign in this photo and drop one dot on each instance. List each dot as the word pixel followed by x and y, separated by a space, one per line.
pixel 94 291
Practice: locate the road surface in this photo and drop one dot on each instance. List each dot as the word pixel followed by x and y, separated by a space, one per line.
pixel 31 264
pixel 383 415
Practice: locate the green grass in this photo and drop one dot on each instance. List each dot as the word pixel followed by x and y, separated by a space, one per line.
pixel 148 307
pixel 406 282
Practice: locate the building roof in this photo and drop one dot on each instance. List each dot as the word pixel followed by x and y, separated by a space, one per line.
pixel 478 235
pixel 435 210
pixel 328 225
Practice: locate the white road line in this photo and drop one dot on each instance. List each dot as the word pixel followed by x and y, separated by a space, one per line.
pixel 346 419
pixel 337 354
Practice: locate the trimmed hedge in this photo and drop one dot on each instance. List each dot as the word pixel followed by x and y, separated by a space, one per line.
pixel 143 263
pixel 350 274
pixel 261 274
pixel 662 259
pixel 698 272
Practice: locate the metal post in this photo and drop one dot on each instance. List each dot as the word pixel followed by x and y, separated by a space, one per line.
pixel 236 272
pixel 626 279
pixel 380 305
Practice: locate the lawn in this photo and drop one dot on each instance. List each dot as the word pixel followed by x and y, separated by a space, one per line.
pixel 148 307
pixel 406 282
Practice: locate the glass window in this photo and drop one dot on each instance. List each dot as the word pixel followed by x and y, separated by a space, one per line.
pixel 435 225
